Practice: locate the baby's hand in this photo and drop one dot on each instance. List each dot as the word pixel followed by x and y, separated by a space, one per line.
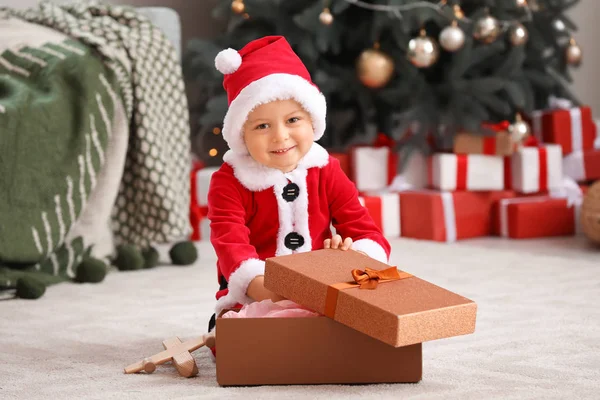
pixel 336 243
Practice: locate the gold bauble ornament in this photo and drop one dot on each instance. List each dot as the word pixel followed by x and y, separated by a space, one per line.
pixel 590 213
pixel 325 17
pixel 452 38
pixel 423 51
pixel 518 34
pixel 574 53
pixel 486 29
pixel 519 130
pixel 374 68
pixel 238 6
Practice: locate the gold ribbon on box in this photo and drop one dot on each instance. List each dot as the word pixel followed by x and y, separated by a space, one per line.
pixel 367 279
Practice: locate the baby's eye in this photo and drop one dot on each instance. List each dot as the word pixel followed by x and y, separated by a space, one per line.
pixel 293 119
pixel 262 126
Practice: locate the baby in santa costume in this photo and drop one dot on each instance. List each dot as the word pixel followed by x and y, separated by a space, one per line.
pixel 277 191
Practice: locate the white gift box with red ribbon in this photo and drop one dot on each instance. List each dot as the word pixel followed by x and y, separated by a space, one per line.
pixel 203 177
pixel 372 168
pixel 534 169
pixel 466 172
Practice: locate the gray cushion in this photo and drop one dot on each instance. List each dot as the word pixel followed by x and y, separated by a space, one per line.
pixel 168 21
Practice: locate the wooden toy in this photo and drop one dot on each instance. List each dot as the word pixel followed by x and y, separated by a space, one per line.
pixel 177 351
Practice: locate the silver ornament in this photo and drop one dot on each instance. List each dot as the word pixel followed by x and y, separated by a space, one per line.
pixel 574 53
pixel 452 38
pixel 519 131
pixel 423 51
pixel 486 29
pixel 518 34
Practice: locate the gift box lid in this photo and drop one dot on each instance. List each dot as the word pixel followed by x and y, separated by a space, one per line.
pixel 399 312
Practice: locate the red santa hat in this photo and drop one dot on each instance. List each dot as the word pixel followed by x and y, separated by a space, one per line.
pixel 265 70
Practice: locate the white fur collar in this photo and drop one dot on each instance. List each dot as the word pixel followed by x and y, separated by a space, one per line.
pixel 257 177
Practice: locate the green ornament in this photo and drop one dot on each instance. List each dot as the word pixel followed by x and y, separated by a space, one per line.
pixel 150 257
pixel 183 253
pixel 129 258
pixel 30 288
pixel 91 270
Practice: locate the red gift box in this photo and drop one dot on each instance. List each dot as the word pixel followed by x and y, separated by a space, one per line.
pixel 344 160
pixel 582 165
pixel 573 128
pixel 448 216
pixel 534 217
pixel 385 211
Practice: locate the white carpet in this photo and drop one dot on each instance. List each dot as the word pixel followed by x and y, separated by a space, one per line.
pixel 537 336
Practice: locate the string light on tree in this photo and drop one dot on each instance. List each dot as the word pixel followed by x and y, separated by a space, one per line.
pixel 521 3
pixel 374 67
pixel 326 17
pixel 452 38
pixel 486 29
pixel 423 51
pixel 574 53
pixel 238 6
pixel 518 34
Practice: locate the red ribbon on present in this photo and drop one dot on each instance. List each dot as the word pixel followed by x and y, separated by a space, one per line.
pixel 384 140
pixel 531 141
pixel 462 162
pixel 543 160
pixel 498 127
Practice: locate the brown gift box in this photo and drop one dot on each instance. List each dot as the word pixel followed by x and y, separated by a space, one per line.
pixel 312 350
pixel 500 144
pixel 400 312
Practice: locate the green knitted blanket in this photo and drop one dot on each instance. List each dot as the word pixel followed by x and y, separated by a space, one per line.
pixel 59 89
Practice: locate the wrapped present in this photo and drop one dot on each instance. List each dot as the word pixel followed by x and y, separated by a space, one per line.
pixel 372 168
pixel 344 160
pixel 448 216
pixel 582 165
pixel 555 214
pixel 371 297
pixel 288 351
pixel 203 184
pixel 500 144
pixel 534 217
pixel 570 127
pixel 534 169
pixel 200 183
pixel 465 172
pixel 385 210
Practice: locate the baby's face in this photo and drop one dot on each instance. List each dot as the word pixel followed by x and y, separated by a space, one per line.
pixel 278 134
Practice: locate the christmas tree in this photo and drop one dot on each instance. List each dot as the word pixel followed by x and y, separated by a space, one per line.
pixel 418 71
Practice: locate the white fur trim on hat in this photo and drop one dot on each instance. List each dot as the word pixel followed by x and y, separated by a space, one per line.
pixel 228 61
pixel 270 88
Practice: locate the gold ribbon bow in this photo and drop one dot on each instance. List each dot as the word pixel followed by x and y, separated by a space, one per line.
pixel 370 278
pixel 367 279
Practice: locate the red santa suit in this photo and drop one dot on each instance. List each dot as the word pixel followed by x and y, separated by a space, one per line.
pixel 257 212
